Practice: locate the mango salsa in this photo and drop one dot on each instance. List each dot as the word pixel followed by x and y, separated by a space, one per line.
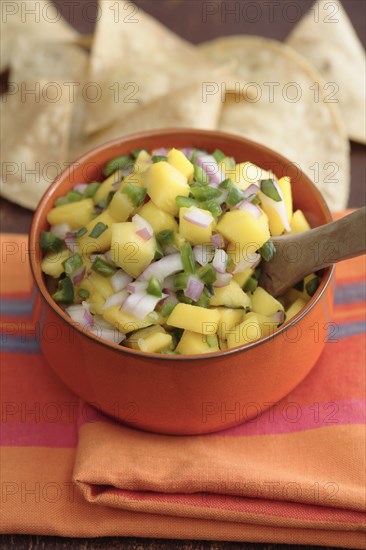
pixel 166 252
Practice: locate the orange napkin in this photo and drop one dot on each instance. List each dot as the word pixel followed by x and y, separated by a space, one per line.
pixel 295 474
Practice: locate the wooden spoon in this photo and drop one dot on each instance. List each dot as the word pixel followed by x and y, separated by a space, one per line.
pixel 300 254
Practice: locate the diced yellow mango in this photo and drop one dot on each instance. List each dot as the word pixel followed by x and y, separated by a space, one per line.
pixel 178 159
pixel 76 214
pixel 164 183
pixel 242 278
pixel 157 218
pixel 155 343
pixel 89 245
pixel 101 284
pixel 239 226
pixel 179 240
pixel 285 186
pixel 136 178
pixel 192 343
pixel 291 296
pixel 143 161
pixel 267 324
pixel 295 308
pixel 247 173
pixel 299 223
pixel 121 207
pixel 132 340
pixel 276 225
pixel 130 251
pixel 52 263
pixel 231 295
pixel 228 319
pixel 107 186
pixel 123 321
pixel 194 318
pixel 264 303
pixel 192 232
pixel 247 331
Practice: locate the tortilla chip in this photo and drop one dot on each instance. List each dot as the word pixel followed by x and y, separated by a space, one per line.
pixel 34 139
pixel 326 37
pixel 185 108
pixel 309 133
pixel 135 60
pixel 31 20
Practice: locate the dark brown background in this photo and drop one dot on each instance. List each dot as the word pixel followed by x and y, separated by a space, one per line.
pixel 186 18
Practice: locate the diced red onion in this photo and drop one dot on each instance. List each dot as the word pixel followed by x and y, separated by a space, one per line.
pixel 116 299
pixel 162 268
pixel 81 315
pixel 136 286
pixel 78 276
pixel 212 169
pixel 168 284
pixel 109 334
pixel 143 228
pixel 278 206
pixel 253 189
pixel 171 298
pixel 140 304
pixel 198 217
pixel 70 241
pixel 250 261
pixel 116 184
pixel 187 151
pixel 194 288
pixel 203 254
pixel 120 280
pixel 219 263
pixel 222 279
pixel 60 230
pixel 279 317
pixel 249 207
pixel 80 187
pixel 160 152
pixel 217 240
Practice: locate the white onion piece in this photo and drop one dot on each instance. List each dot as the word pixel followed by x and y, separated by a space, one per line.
pixel 80 315
pixel 109 334
pixel 203 254
pixel 80 187
pixel 219 263
pixel 78 275
pixel 140 304
pixel 120 280
pixel 198 217
pixel 217 240
pixel 168 283
pixel 162 268
pixel 194 288
pixel 222 279
pixel 70 242
pixel 253 189
pixel 249 207
pixel 250 261
pixel 108 256
pixel 116 299
pixel 143 228
pixel 210 166
pixel 278 206
pixel 136 286
pixel 60 230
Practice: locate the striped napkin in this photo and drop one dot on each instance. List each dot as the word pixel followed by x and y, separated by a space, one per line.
pixel 295 474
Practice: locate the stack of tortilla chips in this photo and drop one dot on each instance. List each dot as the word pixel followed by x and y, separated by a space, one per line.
pixel 304 99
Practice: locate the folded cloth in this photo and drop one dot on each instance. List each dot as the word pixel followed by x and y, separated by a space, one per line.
pixel 294 474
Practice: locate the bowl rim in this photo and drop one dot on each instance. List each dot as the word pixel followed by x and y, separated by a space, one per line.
pixel 166 132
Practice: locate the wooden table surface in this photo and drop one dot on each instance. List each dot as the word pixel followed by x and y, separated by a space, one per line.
pixel 185 17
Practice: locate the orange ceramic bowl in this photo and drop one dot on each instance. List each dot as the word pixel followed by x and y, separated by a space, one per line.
pixel 183 394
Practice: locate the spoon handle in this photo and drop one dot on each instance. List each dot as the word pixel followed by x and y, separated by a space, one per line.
pixel 300 254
